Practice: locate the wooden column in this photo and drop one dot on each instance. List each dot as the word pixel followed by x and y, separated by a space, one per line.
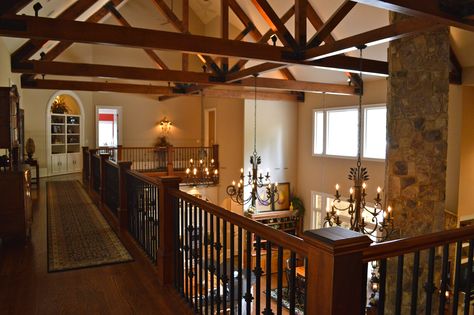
pixel 335 277
pixel 91 178
pixel 123 209
pixel 165 254
pixel 119 152
pixel 85 156
pixel 170 156
pixel 103 157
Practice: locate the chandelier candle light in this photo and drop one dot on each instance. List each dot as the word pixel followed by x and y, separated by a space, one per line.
pixel 201 174
pixel 255 179
pixel 380 226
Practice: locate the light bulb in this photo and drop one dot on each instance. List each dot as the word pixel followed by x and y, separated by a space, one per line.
pixel 351 191
pixel 337 186
pixel 379 190
pixel 364 185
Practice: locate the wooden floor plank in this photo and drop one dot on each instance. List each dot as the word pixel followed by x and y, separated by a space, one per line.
pixel 27 288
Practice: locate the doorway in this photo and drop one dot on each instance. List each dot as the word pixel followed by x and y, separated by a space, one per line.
pixel 209 127
pixel 109 122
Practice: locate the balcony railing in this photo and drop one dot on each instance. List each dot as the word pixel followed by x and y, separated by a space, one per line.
pixel 221 262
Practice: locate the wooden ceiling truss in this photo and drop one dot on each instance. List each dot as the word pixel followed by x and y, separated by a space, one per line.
pixel 321 50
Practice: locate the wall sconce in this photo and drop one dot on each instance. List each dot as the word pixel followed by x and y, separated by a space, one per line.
pixel 165 125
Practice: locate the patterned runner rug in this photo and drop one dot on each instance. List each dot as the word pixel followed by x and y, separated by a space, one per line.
pixel 78 235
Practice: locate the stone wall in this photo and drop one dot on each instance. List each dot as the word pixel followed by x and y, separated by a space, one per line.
pixel 417 120
pixel 417 128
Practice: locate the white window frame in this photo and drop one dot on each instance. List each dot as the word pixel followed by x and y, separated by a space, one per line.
pixel 324 111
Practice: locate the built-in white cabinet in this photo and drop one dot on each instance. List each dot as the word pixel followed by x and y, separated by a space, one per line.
pixel 64 143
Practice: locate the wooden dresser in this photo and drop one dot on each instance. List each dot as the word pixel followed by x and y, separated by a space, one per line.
pixel 15 205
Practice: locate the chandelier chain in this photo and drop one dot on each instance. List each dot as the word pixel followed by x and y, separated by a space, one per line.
pixel 255 116
pixel 359 129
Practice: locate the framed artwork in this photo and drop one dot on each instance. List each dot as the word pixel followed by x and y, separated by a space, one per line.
pixel 283 202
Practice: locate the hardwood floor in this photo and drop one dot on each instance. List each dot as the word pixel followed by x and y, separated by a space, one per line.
pixel 27 288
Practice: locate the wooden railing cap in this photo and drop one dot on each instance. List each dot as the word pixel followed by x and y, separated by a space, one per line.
pixel 337 240
pixel 125 164
pixel 169 179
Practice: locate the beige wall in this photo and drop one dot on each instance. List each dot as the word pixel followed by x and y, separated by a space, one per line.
pixel 466 178
pixel 277 140
pixel 322 173
pixel 454 147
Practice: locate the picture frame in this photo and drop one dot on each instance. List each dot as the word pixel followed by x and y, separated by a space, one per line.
pixel 283 202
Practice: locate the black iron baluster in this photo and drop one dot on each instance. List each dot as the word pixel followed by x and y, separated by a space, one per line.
pixel 292 284
pixel 224 276
pixel 457 277
pixel 399 289
pixel 248 295
pixel 239 271
pixel 231 273
pixel 201 241
pixel 179 248
pixel 383 278
pixel 194 234
pixel 182 236
pixel 190 250
pixel 364 287
pixel 258 272
pixel 186 250
pixel 306 264
pixel 218 264
pixel 429 286
pixel 467 296
pixel 444 280
pixel 206 263
pixel 280 281
pixel 268 279
pixel 414 283
pixel 212 262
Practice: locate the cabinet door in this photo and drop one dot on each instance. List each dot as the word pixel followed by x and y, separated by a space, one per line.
pixel 58 163
pixel 74 162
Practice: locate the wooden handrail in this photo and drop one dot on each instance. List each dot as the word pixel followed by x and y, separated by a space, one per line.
pixel 112 163
pixel 275 236
pixel 143 178
pixel 408 245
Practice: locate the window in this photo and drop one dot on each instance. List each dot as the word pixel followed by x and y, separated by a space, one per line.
pixel 375 130
pixel 335 132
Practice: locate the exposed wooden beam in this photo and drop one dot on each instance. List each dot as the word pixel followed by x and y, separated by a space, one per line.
pixel 261 39
pixel 174 20
pixel 261 95
pixel 84 32
pixel 352 65
pixel 136 73
pixel 377 36
pixel 275 23
pixel 42 28
pixel 119 17
pixel 300 22
pixel 32 46
pixel 247 72
pixel 302 86
pixel 225 31
pixel 422 8
pixel 96 86
pixel 455 74
pixel 12 6
pixel 325 30
pixel 317 23
pixel 185 13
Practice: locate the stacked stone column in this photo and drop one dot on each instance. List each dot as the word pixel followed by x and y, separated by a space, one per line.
pixel 417 128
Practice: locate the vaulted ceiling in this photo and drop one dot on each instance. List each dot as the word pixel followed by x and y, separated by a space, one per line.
pixel 314 50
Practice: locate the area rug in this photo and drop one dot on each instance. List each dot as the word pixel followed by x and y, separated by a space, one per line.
pixel 285 301
pixel 78 235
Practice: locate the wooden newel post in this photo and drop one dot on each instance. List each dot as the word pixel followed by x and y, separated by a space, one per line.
pixel 123 209
pixel 85 165
pixel 165 263
pixel 335 275
pixel 91 175
pixel 103 157
pixel 170 166
pixel 119 153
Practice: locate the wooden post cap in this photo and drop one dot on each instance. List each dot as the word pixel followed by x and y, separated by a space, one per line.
pixel 337 240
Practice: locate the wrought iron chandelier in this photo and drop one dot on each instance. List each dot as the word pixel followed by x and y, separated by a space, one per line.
pixel 380 225
pixel 202 172
pixel 255 180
